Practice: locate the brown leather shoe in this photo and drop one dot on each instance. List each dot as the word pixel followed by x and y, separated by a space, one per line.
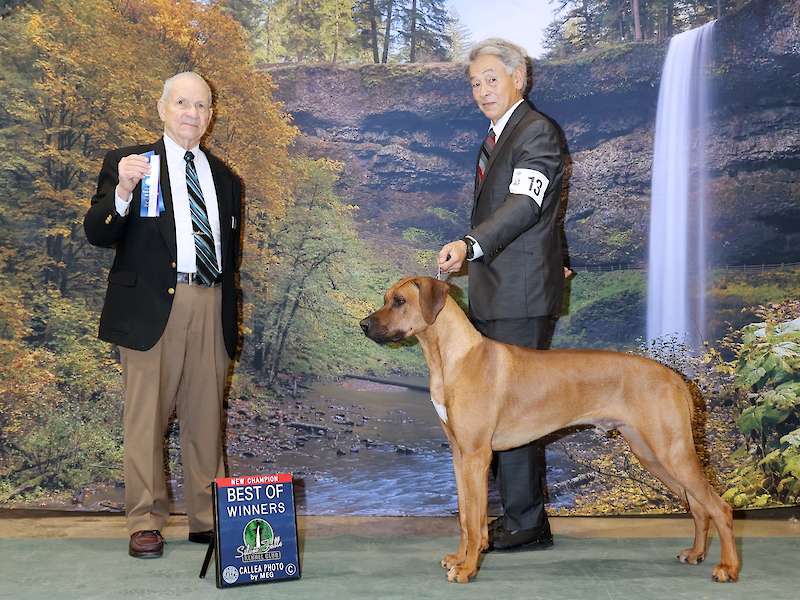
pixel 146 544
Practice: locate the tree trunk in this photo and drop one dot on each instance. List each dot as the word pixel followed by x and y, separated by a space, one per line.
pixel 669 26
pixel 413 33
pixel 299 53
pixel 336 38
pixel 257 361
pixel 637 23
pixel 273 332
pixel 268 32
pixel 373 31
pixel 387 36
pixel 282 336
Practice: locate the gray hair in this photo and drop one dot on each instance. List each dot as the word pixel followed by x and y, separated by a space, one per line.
pixel 168 84
pixel 512 56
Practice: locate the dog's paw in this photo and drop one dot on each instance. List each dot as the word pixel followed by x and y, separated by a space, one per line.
pixel 451 560
pixel 691 556
pixel 725 573
pixel 460 574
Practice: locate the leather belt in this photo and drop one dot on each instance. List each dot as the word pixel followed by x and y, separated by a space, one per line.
pixel 191 279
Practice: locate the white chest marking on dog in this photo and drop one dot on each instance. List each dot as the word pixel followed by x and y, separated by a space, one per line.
pixel 441 409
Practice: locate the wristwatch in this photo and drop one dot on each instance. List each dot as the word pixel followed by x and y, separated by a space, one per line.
pixel 470 243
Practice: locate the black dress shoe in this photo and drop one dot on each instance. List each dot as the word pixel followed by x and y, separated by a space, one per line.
pixel 503 540
pixel 201 537
pixel 493 528
pixel 495 525
pixel 146 544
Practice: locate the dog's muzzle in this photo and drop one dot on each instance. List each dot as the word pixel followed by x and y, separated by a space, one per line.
pixel 366 323
pixel 372 329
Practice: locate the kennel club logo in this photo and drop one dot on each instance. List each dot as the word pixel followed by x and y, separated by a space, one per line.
pixel 256 529
pixel 259 539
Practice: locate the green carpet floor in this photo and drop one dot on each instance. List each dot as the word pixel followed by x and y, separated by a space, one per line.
pixel 348 567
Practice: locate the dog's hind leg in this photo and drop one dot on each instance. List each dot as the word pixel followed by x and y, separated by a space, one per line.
pixel 674 449
pixel 693 479
pixel 697 552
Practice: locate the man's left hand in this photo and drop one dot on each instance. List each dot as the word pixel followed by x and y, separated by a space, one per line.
pixel 452 256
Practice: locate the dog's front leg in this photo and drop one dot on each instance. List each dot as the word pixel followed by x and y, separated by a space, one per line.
pixel 473 505
pixel 451 560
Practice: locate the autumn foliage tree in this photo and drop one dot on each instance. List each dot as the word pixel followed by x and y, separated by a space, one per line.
pixel 80 77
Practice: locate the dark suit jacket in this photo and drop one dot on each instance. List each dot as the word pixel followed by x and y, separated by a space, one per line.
pixel 138 299
pixel 521 272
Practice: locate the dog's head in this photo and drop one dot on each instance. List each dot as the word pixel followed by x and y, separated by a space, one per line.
pixel 410 306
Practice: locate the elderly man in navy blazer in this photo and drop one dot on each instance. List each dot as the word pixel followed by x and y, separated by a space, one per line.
pixel 516 274
pixel 171 305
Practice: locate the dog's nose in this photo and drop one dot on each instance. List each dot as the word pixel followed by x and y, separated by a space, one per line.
pixel 365 322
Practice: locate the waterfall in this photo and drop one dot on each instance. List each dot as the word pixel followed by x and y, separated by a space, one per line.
pixel 677 257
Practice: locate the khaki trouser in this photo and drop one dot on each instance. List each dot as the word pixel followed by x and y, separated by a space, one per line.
pixel 185 371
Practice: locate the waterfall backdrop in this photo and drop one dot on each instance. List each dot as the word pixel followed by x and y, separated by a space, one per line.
pixel 676 282
pixel 357 148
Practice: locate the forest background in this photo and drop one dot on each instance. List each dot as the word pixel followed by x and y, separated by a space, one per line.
pixel 325 236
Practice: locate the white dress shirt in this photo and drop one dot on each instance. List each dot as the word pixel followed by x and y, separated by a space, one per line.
pixel 498 127
pixel 176 167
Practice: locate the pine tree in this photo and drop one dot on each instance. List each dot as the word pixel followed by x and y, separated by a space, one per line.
pixel 338 30
pixel 375 20
pixel 262 22
pixel 460 38
pixel 425 25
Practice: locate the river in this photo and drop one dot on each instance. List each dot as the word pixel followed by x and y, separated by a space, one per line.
pixel 404 469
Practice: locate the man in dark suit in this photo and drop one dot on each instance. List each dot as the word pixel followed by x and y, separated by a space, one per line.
pixel 514 250
pixel 171 305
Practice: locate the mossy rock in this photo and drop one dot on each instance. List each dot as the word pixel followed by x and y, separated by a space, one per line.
pixel 615 320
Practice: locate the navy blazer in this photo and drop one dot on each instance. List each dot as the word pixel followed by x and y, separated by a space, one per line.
pixel 142 279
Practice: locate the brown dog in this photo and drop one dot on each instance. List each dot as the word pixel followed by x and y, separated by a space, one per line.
pixel 493 396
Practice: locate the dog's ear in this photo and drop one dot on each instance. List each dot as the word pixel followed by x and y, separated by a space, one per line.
pixel 432 296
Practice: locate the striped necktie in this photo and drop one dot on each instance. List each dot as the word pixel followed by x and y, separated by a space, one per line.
pixel 205 254
pixel 486 152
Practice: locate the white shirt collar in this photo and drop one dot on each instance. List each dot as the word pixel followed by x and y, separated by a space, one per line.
pixel 173 147
pixel 501 122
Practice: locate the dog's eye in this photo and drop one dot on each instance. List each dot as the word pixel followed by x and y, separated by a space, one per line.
pixel 398 301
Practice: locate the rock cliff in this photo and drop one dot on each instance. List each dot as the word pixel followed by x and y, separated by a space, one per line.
pixel 408 136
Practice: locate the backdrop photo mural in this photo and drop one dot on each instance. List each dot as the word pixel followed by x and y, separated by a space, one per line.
pixel 353 128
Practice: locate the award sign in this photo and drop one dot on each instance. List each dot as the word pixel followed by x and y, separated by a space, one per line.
pixel 255 529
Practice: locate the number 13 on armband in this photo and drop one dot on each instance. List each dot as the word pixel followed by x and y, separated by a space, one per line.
pixel 529 182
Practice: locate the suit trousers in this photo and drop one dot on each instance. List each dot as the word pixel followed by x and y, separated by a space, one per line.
pixel 184 372
pixel 521 471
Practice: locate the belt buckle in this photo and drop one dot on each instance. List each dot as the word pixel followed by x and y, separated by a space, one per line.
pixel 187 278
pixel 193 279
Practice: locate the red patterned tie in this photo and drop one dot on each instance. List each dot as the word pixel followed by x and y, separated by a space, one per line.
pixel 486 152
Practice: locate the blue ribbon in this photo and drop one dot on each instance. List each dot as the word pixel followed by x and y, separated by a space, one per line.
pixel 145 199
